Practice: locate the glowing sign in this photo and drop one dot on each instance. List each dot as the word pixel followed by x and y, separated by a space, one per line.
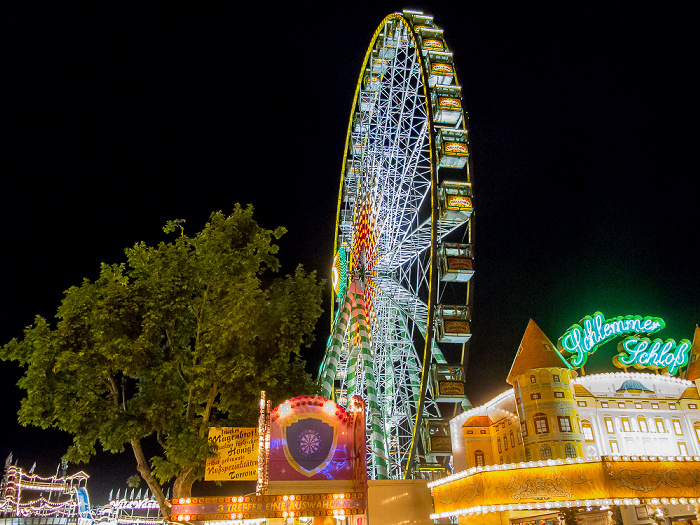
pixel 456 148
pixel 236 454
pixel 640 352
pixel 457 202
pixel 431 43
pixel 255 507
pixel 449 103
pixel 584 338
pixel 441 69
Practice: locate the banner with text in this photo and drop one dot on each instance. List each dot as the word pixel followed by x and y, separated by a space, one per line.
pixel 236 454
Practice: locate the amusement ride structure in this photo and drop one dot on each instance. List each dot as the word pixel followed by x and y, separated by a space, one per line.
pixel 403 251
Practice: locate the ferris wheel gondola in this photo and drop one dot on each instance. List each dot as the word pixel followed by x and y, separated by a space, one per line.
pixel 403 248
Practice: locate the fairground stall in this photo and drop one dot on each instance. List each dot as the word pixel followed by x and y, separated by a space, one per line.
pixel 564 447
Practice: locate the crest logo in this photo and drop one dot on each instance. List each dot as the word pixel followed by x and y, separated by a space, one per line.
pixel 309 442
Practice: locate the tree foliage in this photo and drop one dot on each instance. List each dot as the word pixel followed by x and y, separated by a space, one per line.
pixel 181 337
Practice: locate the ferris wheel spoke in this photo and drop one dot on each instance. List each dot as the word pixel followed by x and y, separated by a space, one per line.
pixel 407 302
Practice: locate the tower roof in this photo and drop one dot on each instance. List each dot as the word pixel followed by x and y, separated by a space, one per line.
pixel 535 351
pixel 693 371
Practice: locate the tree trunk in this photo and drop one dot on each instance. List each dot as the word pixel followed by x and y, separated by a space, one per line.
pixel 182 488
pixel 149 478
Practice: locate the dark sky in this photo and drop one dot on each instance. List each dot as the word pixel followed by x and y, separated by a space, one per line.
pixel 583 118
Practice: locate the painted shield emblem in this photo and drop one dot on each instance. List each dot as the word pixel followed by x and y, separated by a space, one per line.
pixel 310 444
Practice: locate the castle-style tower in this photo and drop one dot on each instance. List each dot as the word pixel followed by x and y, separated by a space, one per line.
pixel 544 399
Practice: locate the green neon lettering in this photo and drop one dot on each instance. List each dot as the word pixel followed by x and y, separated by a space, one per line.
pixel 643 353
pixel 592 331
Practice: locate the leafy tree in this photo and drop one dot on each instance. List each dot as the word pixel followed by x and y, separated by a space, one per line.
pixel 180 338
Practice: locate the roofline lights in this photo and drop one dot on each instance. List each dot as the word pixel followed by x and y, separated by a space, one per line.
pixel 554 462
pixel 598 502
pixel 633 375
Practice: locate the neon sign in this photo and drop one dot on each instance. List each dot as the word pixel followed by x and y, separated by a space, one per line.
pixel 592 331
pixel 640 352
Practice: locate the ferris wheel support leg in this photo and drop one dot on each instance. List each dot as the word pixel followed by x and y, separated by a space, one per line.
pixel 378 441
pixel 333 349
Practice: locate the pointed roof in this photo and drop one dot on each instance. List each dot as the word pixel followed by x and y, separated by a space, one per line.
pixel 693 371
pixel 580 391
pixel 535 351
pixel 690 393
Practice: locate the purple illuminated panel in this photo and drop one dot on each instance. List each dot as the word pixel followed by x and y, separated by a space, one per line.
pixel 311 437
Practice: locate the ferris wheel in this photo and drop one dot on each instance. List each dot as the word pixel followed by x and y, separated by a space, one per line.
pixel 403 250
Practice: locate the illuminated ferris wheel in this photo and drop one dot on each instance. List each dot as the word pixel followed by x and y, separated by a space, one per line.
pixel 403 249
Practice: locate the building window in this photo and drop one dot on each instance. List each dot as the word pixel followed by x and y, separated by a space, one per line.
pixel 479 458
pixel 564 423
pixel 569 450
pixel 498 440
pixel 655 405
pixel 505 442
pixel 660 425
pixel 613 447
pixel 500 460
pixel 545 452
pixel 620 405
pixel 533 379
pixel 682 448
pixel 671 406
pixel 482 431
pixel 522 455
pixel 536 395
pixel 697 431
pixel 581 403
pixel 528 455
pixel 507 459
pixel 637 405
pixel 626 424
pixel 609 425
pixel 512 439
pixel 523 428
pixel 587 430
pixel 520 438
pixel 555 378
pixel 692 405
pixel 470 431
pixel 642 424
pixel 677 427
pixel 541 425
pixel 604 404
pixel 558 394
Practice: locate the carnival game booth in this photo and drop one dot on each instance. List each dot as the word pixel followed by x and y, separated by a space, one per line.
pixel 310 469
pixel 561 447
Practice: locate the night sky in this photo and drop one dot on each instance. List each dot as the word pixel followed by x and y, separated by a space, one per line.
pixel 583 122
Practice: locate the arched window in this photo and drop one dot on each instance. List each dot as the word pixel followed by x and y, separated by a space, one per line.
pixel 642 422
pixel 587 430
pixel 479 458
pixel 570 450
pixel 528 456
pixel 545 452
pixel 507 459
pixel 522 456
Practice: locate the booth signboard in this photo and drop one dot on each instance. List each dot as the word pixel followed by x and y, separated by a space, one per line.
pixel 236 454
